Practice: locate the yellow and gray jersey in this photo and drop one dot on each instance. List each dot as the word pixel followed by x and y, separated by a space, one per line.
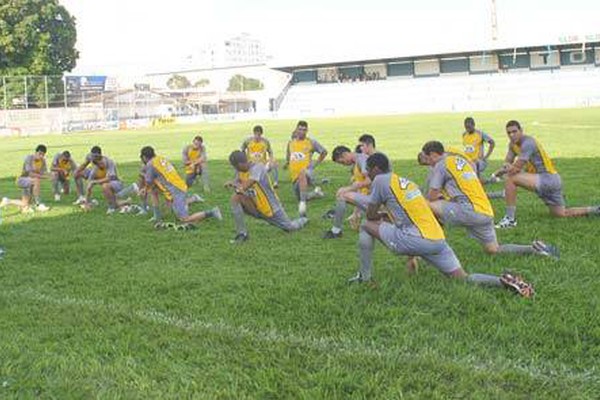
pixel 106 168
pixel 359 171
pixel 455 176
pixel 531 151
pixel 406 206
pixel 161 173
pixel 257 151
pixel 31 165
pixel 262 193
pixel 474 144
pixel 62 163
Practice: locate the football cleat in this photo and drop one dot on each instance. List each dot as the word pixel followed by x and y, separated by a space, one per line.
pixel 546 250
pixel 359 279
pixel 216 211
pixel 42 207
pixel 302 209
pixel 318 192
pixel 506 222
pixel 57 197
pixel 239 238
pixel 80 200
pixel 111 210
pixel 196 198
pixel 329 214
pixel 4 202
pixel 329 234
pixel 516 284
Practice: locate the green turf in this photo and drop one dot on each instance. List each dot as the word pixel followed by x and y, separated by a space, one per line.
pixel 96 306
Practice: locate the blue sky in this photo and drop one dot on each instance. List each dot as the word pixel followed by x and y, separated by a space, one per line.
pixel 139 36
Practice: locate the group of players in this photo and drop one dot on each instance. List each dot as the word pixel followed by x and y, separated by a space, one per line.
pixel 387 206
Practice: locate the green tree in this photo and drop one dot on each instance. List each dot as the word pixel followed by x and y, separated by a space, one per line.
pixel 36 38
pixel 202 82
pixel 178 82
pixel 240 83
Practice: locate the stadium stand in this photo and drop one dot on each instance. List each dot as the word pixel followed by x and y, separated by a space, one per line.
pixel 528 78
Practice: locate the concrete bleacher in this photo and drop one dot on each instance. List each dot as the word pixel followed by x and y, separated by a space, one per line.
pixel 565 87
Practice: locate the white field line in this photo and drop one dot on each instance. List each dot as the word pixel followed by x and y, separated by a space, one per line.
pixel 340 345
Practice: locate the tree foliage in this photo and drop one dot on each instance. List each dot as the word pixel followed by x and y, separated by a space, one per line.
pixel 178 82
pixel 36 38
pixel 240 83
pixel 201 82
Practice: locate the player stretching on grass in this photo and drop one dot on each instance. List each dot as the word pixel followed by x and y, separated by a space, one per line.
pixel 465 203
pixel 33 171
pixel 254 195
pixel 540 176
pixel 413 231
pixel 160 173
pixel 356 194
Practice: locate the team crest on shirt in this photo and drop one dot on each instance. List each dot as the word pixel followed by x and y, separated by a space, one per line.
pixel 404 183
pixel 460 163
pixel 413 194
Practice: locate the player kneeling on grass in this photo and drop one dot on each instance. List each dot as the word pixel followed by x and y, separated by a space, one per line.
pixel 255 196
pixel 466 203
pixel 356 194
pixel 161 174
pixel 33 171
pixel 414 230
pixel 62 167
pixel 540 176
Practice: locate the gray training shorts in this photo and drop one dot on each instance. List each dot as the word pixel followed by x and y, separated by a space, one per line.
pixel 309 180
pixel 479 226
pixel 549 189
pixel 436 252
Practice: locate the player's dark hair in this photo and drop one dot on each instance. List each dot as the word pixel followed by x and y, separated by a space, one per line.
pixel 41 148
pixel 302 123
pixel 380 161
pixel 147 152
pixel 338 151
pixel 470 119
pixel 237 157
pixel 257 129
pixel 367 139
pixel 433 147
pixel 512 122
pixel 199 138
pixel 66 154
pixel 358 149
pixel 96 150
pixel 421 158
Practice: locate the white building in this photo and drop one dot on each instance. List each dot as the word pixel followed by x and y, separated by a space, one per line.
pixel 229 52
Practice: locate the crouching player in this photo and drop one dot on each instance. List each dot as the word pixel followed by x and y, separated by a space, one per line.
pixel 255 196
pixel 33 171
pixel 356 194
pixel 161 174
pixel 62 167
pixel 414 230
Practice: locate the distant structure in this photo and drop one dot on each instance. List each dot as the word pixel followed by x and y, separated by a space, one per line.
pixel 235 51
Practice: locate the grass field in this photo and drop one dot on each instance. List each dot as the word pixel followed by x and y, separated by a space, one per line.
pixel 96 306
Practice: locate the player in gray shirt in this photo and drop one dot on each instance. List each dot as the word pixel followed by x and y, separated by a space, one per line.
pixel 255 196
pixel 413 230
pixel 540 176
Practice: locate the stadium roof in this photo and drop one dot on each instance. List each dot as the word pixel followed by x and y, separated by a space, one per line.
pixel 444 51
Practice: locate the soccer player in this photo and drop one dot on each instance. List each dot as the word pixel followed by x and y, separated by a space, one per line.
pixel 414 230
pixel 356 194
pixel 474 142
pixel 540 176
pixel 104 174
pixel 367 144
pixel 258 150
pixel 33 171
pixel 161 174
pixel 456 196
pixel 299 156
pixel 255 196
pixel 195 162
pixel 62 167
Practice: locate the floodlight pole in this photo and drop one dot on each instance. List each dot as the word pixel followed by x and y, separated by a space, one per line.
pixel 494 22
pixel 5 92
